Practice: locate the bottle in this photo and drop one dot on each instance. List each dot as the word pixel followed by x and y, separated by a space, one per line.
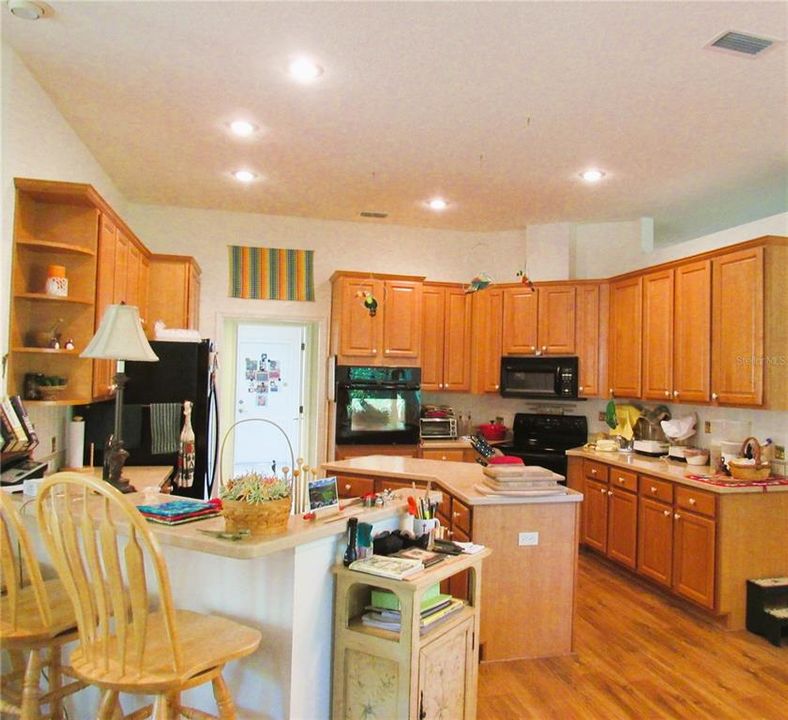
pixel 351 552
pixel 185 475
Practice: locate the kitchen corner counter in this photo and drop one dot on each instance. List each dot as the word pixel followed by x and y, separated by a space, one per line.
pixel 458 478
pixel 669 470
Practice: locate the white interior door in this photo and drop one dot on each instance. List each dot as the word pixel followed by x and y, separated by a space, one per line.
pixel 269 382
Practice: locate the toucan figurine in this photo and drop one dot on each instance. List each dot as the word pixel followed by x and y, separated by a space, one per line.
pixel 369 302
pixel 525 280
pixel 481 281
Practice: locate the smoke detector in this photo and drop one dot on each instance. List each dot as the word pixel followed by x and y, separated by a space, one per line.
pixel 741 43
pixel 27 9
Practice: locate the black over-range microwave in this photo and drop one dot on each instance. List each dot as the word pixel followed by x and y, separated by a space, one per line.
pixel 540 377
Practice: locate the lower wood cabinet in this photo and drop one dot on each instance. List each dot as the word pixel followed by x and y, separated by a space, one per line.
pixel 407 674
pixel 622 529
pixel 694 556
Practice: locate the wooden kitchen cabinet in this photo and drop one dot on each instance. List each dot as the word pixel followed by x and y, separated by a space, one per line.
pixel 590 334
pixel 694 556
pixel 655 540
pixel 446 338
pixel 390 337
pixel 624 356
pixel 175 300
pixel 657 360
pixel 692 332
pixel 622 521
pixel 595 518
pixel 487 347
pixel 737 327
pixel 540 321
pixel 447 455
pixel 406 674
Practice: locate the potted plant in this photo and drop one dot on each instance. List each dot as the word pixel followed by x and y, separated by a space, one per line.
pixel 257 503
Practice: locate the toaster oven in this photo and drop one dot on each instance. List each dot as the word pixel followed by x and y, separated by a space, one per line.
pixel 444 428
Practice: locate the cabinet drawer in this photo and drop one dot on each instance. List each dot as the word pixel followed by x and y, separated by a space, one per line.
pixel 624 479
pixel 461 516
pixel 444 506
pixel 595 470
pixel 382 484
pixel 695 500
pixel 351 486
pixel 661 490
pixel 454 455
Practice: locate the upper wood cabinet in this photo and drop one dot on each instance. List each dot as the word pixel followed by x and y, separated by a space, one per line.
pixel 540 321
pixel 692 332
pixel 392 335
pixel 176 300
pixel 591 328
pixel 625 337
pixel 446 338
pixel 658 335
pixel 487 340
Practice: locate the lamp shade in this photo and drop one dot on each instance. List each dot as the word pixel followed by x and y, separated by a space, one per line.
pixel 120 337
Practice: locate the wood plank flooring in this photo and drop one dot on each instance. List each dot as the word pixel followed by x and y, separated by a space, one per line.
pixel 640 655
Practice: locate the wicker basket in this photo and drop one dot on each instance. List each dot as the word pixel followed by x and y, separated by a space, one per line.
pixel 269 518
pixel 761 470
pixel 50 392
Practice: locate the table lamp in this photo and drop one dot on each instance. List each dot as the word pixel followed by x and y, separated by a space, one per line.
pixel 119 338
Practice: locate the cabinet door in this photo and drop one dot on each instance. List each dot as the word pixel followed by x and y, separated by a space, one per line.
pixel 737 328
pixel 625 337
pixel 488 339
pixel 556 326
pixel 457 341
pixel 587 338
pixel 133 275
pixel 402 320
pixel 693 557
pixel 193 310
pixel 655 540
pixel 595 515
pixel 622 537
pixel 351 486
pixel 143 290
pixel 103 370
pixel 445 687
pixel 459 583
pixel 361 335
pixel 692 332
pixel 519 321
pixel 121 267
pixel 658 335
pixel 432 337
pixel 448 455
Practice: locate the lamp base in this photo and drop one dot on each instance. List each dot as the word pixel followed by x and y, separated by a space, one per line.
pixel 115 456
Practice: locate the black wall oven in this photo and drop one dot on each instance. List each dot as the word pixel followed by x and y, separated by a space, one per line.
pixel 377 405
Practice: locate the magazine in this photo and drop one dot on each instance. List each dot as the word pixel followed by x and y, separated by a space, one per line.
pixel 372 619
pixel 388 566
pixel 427 557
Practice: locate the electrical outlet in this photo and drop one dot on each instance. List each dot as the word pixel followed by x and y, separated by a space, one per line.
pixel 707 426
pixel 601 416
pixel 54 443
pixel 779 452
pixel 528 538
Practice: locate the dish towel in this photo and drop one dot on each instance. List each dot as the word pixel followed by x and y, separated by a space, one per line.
pixel 165 427
pixel 626 416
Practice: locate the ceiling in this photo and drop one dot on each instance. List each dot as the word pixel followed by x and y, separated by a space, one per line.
pixel 495 106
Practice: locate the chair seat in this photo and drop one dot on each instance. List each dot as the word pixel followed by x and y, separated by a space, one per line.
pixel 207 642
pixel 31 629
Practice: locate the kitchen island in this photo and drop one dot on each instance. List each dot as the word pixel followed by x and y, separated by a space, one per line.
pixel 282 585
pixel 678 526
pixel 528 585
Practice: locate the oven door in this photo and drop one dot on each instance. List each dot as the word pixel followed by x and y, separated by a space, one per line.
pixel 377 413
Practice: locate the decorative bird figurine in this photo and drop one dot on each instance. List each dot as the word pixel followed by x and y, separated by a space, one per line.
pixel 369 302
pixel 481 281
pixel 525 280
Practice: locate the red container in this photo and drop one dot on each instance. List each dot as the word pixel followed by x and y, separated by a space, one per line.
pixel 493 431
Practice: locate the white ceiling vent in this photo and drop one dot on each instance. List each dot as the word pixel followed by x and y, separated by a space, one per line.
pixel 741 43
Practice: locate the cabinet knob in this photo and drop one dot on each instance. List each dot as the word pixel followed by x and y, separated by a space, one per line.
pixel 612 394
pixel 602 490
pixel 533 347
pixel 443 457
pixel 609 492
pixel 667 393
pixel 593 471
pixel 675 393
pixel 666 513
pixel 677 516
pixel 714 396
pixel 580 389
pixel 455 514
pixel 450 533
pixel 347 487
pixel 544 348
pixel 621 480
pixel 497 386
pixel 692 501
pixel 653 489
pixel 374 351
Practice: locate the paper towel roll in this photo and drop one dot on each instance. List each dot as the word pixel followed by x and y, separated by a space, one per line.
pixel 75 443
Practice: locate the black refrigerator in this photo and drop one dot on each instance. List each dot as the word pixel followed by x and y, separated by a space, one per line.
pixel 185 371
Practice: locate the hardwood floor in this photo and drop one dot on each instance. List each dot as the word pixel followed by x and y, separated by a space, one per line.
pixel 640 654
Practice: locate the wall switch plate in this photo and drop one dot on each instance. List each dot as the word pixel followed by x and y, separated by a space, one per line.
pixel 528 538
pixel 601 416
pixel 707 426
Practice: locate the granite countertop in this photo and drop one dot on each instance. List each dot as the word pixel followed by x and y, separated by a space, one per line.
pixel 458 478
pixel 669 470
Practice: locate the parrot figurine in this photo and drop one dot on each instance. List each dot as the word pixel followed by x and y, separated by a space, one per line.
pixel 525 280
pixel 369 302
pixel 479 282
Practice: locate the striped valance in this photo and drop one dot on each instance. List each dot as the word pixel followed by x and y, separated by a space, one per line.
pixel 271 273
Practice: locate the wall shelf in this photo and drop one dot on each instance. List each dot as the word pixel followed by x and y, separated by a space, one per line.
pixel 46 351
pixel 48 246
pixel 43 297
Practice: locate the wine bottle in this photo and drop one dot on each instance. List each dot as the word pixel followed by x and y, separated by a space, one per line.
pixel 185 475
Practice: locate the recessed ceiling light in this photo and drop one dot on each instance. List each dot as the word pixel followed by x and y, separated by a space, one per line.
pixel 592 175
pixel 244 176
pixel 243 128
pixel 305 70
pixel 437 204
pixel 26 10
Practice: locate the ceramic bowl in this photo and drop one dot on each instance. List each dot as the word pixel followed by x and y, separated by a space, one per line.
pixel 696 457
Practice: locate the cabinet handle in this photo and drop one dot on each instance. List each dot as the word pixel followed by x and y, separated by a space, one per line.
pixel 692 501
pixel 677 517
pixel 675 393
pixel 666 513
pixel 714 396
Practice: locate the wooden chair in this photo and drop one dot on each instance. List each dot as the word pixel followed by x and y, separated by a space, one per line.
pixel 110 564
pixel 35 614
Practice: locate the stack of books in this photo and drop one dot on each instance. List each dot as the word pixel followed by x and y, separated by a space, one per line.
pixel 384 611
pixel 17 434
pixel 177 512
